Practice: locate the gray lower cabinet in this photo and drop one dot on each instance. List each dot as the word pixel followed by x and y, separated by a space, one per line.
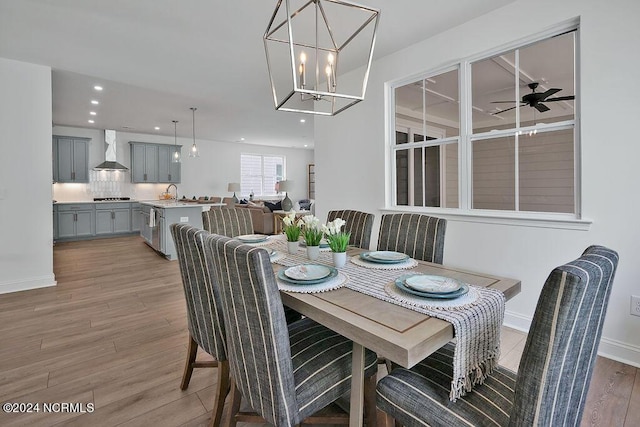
pixel 76 221
pixel 83 221
pixel 113 218
pixel 136 217
pixel 145 229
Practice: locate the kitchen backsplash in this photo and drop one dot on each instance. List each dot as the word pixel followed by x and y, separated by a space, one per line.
pixel 106 184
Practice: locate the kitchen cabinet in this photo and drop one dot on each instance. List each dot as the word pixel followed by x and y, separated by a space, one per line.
pixel 76 221
pixel 168 171
pixel 70 159
pixel 113 218
pixel 136 217
pixel 167 213
pixel 151 163
pixel 145 228
pixel 144 162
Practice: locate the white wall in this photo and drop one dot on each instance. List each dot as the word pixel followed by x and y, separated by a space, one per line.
pixel 208 175
pixel 350 156
pixel 26 253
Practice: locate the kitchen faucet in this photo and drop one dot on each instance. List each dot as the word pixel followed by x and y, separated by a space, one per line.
pixel 174 186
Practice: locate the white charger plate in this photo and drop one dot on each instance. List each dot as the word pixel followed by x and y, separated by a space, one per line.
pixel 432 284
pixel 307 272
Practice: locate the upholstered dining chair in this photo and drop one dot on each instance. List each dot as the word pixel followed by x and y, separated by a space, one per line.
pixel 419 236
pixel 550 388
pixel 286 373
pixel 204 317
pixel 359 224
pixel 230 222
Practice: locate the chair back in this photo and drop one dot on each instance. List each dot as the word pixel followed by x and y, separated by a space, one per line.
pixel 561 347
pixel 419 236
pixel 359 224
pixel 201 291
pixel 257 335
pixel 230 222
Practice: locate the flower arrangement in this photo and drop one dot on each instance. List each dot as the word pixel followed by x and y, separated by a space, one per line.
pixel 291 228
pixel 338 240
pixel 311 230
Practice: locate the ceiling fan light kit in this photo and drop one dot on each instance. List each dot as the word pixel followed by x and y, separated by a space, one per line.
pixel 535 99
pixel 305 54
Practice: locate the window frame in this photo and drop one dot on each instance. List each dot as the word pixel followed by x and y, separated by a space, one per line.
pixel 262 174
pixel 466 137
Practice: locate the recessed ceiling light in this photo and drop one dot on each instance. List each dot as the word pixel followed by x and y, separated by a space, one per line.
pixel 98 88
pixel 93 113
pixel 157 128
pixel 306 145
pixel 94 102
pixel 241 139
pixel 302 120
pixel 91 121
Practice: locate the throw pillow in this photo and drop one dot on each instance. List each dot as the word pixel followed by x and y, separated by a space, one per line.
pixel 278 206
pixel 243 202
pixel 272 206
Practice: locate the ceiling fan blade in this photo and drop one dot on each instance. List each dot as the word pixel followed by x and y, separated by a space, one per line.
pixel 550 92
pixel 542 108
pixel 502 111
pixel 560 98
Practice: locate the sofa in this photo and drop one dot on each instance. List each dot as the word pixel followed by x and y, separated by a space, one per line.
pixel 261 216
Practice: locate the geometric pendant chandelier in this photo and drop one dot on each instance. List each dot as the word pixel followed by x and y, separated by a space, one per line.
pixel 319 54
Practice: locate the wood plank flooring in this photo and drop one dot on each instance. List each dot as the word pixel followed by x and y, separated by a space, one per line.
pixel 113 333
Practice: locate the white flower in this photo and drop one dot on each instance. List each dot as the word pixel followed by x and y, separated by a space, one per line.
pixel 333 227
pixel 289 219
pixel 311 221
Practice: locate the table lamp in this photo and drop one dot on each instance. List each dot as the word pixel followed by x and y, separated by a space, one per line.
pixel 234 186
pixel 285 186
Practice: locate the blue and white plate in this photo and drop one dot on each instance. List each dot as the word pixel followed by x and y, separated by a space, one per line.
pixel 252 238
pixel 307 272
pixel 384 257
pixel 400 283
pixel 332 273
pixel 432 284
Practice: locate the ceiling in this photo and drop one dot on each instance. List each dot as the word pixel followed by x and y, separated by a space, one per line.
pixel 157 58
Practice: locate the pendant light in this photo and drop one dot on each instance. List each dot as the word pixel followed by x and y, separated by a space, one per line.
pixel 176 151
pixel 194 148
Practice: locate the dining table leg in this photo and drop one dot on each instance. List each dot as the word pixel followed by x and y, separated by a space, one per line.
pixel 356 406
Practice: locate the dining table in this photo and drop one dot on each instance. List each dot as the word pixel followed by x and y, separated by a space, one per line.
pixel 395 332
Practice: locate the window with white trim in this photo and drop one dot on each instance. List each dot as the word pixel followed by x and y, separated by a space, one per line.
pixel 260 173
pixel 492 133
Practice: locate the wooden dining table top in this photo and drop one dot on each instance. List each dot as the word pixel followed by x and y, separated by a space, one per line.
pixel 399 334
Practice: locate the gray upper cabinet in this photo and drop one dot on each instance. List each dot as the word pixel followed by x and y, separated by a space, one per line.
pixel 70 159
pixel 152 163
pixel 168 171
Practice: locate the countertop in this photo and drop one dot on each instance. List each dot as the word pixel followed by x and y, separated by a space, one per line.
pixel 165 204
pixel 95 202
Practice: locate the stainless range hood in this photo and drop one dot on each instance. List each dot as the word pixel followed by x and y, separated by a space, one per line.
pixel 110 162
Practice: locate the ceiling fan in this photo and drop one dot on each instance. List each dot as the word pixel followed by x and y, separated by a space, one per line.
pixel 535 99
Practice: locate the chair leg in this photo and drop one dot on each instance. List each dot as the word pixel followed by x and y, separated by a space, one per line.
pixel 234 404
pixel 221 392
pixel 370 412
pixel 188 367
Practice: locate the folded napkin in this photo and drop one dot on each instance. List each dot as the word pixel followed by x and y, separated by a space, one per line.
pixel 152 217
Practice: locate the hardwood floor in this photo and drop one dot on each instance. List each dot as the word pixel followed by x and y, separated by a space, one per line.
pixel 113 334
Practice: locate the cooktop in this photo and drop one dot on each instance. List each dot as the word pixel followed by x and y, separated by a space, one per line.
pixel 103 199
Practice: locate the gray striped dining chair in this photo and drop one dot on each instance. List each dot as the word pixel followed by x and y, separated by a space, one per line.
pixel 286 373
pixel 204 316
pixel 359 224
pixel 231 222
pixel 550 388
pixel 419 236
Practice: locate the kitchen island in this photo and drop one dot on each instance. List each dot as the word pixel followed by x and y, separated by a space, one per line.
pixel 158 215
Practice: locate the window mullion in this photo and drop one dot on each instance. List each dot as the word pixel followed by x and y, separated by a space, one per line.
pixel 465 172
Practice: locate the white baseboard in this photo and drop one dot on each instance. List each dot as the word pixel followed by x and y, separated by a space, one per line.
pixel 25 285
pixel 517 321
pixel 609 348
pixel 620 351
